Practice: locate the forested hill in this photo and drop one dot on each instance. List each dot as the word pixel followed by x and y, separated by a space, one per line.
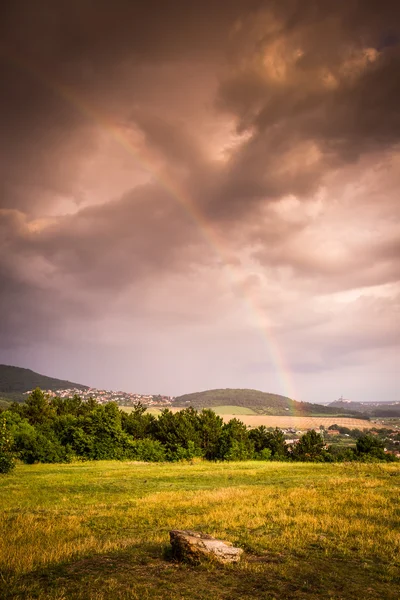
pixel 372 409
pixel 14 381
pixel 259 402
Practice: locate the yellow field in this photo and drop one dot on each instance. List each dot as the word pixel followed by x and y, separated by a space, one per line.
pixel 301 423
pixel 100 531
pixel 283 422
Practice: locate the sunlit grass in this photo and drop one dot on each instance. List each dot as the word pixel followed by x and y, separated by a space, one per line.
pixel 233 410
pixel 292 520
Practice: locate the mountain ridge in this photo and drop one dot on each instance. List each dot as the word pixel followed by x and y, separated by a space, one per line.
pixel 15 381
pixel 371 409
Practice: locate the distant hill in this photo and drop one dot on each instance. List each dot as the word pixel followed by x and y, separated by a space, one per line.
pixel 260 402
pixel 14 381
pixel 371 409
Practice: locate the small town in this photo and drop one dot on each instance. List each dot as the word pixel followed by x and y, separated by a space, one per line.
pixel 104 396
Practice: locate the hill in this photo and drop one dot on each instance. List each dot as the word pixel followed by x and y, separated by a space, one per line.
pixel 261 403
pixel 370 409
pixel 14 381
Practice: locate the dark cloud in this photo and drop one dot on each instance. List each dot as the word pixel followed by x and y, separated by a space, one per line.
pixel 316 82
pixel 166 164
pixel 84 45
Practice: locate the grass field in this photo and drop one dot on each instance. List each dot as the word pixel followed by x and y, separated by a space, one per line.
pixel 233 410
pixel 301 423
pixel 152 410
pixel 95 531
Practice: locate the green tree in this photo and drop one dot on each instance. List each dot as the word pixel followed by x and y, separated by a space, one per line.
pixel 68 406
pixel 310 447
pixel 210 425
pixel 370 446
pixel 235 443
pixel 37 408
pixel 138 423
pixel 179 432
pixel 273 441
pixel 100 432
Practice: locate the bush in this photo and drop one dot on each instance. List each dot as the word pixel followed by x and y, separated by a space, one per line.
pixel 36 447
pixel 264 454
pixel 147 450
pixel 7 463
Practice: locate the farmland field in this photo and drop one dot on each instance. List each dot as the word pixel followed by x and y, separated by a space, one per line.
pixel 233 410
pixel 301 423
pixel 247 416
pixel 94 531
pixel 152 410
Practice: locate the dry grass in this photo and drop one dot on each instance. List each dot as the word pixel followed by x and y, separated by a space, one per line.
pixel 302 423
pixel 247 416
pixel 99 530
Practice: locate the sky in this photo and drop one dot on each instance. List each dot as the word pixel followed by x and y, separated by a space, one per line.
pixel 202 194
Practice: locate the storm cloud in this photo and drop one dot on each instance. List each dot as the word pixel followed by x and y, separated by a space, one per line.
pixel 188 186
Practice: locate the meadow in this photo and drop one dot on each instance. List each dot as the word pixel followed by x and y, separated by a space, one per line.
pixel 99 530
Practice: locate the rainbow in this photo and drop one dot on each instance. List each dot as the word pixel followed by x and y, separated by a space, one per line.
pixel 180 195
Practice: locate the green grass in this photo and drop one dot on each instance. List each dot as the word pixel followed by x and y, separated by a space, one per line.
pixel 95 531
pixel 233 410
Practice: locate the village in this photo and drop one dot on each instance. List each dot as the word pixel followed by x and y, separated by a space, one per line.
pixel 104 396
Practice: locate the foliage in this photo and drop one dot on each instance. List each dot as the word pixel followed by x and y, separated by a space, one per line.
pixel 370 445
pixel 7 463
pixel 4 404
pixel 310 447
pixel 62 430
pixel 274 441
pixel 210 433
pixel 138 423
pixel 147 450
pixel 235 442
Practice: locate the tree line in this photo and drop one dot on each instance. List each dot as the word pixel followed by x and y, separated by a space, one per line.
pixel 53 430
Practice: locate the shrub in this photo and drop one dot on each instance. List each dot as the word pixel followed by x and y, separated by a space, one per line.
pixel 147 450
pixel 7 463
pixel 264 454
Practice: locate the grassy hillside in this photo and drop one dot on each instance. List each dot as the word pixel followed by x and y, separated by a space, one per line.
pixel 14 381
pixel 96 531
pixel 259 402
